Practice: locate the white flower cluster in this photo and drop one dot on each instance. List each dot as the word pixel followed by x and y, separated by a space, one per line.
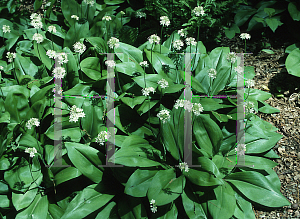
pixel 182 32
pixel 110 63
pixel 36 20
pixel 195 107
pixel 154 39
pixel 51 54
pixel 31 151
pixel 184 166
pixel 140 14
pixel 239 70
pixel 190 40
pixel 178 44
pixel 38 37
pixel 153 206
pixel 144 64
pixel 231 57
pixel 89 2
pixel 59 72
pixel 10 56
pixel 79 47
pixel 164 20
pixel 107 18
pixel 52 29
pixel 212 73
pixel 250 83
pixel 249 107
pixel 59 91
pixel 147 90
pixel 75 17
pixel 113 42
pixel 198 11
pixel 31 122
pixel 102 137
pixel 164 115
pixel 1 68
pixel 240 149
pixel 163 83
pixel 62 57
pixel 244 36
pixel 75 113
pixel 6 29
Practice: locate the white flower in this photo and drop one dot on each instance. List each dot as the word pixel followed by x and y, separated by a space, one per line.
pixel 178 44
pixel 52 29
pixel 198 11
pixel 188 105
pixel 62 57
pixel 212 73
pixel 1 68
pixel 154 209
pixel 48 4
pixel 75 17
pixel 31 122
pixel 110 63
pixel 164 20
pixel 122 12
pixel 153 206
pixel 38 37
pixel 35 16
pixel 152 202
pixel 10 56
pixel 154 39
pixel 240 149
pixel 179 103
pixel 79 47
pixel 231 57
pixel 249 107
pixel 51 54
pixel 197 109
pixel 60 90
pixel 140 14
pixel 102 136
pixel 183 166
pixel 239 70
pixel 144 64
pixel 5 29
pixel 164 115
pixel 36 20
pixel 190 41
pixel 113 42
pixel 75 113
pixel 244 36
pixel 250 83
pixel 59 72
pixel 31 151
pixel 163 83
pixel 107 18
pixel 89 2
pixel 147 90
pixel 182 32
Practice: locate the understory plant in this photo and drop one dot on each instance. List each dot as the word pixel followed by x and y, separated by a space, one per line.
pixel 151 177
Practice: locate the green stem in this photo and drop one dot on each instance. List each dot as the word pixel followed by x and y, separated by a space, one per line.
pixel 161 37
pixel 151 57
pixel 245 46
pixel 248 93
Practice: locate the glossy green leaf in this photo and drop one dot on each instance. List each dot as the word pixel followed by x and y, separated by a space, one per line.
pixel 129 68
pixel 91 67
pixel 127 53
pixel 294 12
pixel 243 209
pixel 146 106
pixel 66 174
pixel 131 207
pixel 202 178
pixel 292 62
pixel 55 211
pixel 132 102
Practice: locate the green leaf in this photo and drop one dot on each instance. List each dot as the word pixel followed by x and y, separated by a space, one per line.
pixel 294 12
pixel 55 211
pixel 70 7
pixel 272 23
pixel 66 174
pixel 126 52
pixel 129 68
pixel 165 187
pixel 269 11
pixel 202 178
pixel 243 15
pixel 131 207
pixel 257 188
pixel 267 108
pixel 174 88
pixel 91 67
pixel 229 33
pixel 146 106
pixel 292 62
pixel 86 160
pixel 75 33
pixel 132 102
pixel 86 202
pixel 267 51
pixel 259 162
pixel 243 209
pixel 4 201
pixel 151 80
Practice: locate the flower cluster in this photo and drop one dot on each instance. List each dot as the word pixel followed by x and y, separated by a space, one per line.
pixel 107 18
pixel 122 12
pixel 163 83
pixel 182 32
pixel 10 56
pixel 51 54
pixel 154 39
pixel 1 68
pixel 244 36
pixel 250 83
pixel 62 58
pixel 75 113
pixel 198 11
pixel 153 206
pixel 31 122
pixel 144 64
pixel 147 90
pixel 178 44
pixel 79 47
pixel 102 137
pixel 89 2
pixel 38 37
pixel 31 151
pixel 249 107
pixel 75 17
pixel 140 14
pixel 195 107
pixel 212 73
pixel 52 29
pixel 36 21
pixel 164 20
pixel 240 149
pixel 239 70
pixel 110 63
pixel 59 72
pixel 113 42
pixel 6 29
pixel 231 57
pixel 164 115
pixel 184 166
pixel 190 40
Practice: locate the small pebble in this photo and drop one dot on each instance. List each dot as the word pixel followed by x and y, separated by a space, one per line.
pixel 298 155
pixel 294 206
pixel 289 210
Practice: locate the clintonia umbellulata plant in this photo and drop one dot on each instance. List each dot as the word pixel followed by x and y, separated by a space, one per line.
pixel 149 127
